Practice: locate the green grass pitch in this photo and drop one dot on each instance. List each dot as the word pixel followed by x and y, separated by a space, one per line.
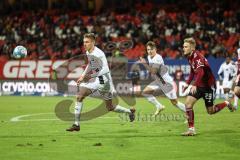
pixel 39 135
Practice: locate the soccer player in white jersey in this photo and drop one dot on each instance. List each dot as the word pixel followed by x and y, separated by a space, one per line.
pixel 96 78
pixel 162 80
pixel 227 72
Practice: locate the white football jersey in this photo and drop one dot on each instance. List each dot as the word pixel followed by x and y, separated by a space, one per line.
pixel 97 62
pixel 227 71
pixel 156 61
pixel 98 66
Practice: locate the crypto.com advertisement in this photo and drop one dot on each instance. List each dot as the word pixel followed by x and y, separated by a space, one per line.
pixel 47 77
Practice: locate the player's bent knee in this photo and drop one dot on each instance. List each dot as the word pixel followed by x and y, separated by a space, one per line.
pixel 188 105
pixel 174 102
pixel 147 91
pixel 110 108
pixel 237 94
pixel 80 98
pixel 210 111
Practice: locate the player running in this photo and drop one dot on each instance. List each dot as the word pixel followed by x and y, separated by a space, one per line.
pixel 96 79
pixel 203 87
pixel 237 87
pixel 162 80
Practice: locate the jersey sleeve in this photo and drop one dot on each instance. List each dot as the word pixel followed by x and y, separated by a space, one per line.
pixel 234 70
pixel 191 76
pixel 86 70
pixel 220 70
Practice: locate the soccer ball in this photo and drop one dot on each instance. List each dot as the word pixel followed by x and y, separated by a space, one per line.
pixel 19 52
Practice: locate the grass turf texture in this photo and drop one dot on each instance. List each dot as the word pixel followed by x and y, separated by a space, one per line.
pixel 43 136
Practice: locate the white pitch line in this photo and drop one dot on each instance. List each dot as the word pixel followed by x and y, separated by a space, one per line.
pixel 19 118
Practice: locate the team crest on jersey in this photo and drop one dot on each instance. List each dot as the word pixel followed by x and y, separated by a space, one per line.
pixel 199 63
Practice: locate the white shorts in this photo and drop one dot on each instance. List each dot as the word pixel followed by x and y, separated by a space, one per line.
pixel 104 89
pixel 227 84
pixel 168 88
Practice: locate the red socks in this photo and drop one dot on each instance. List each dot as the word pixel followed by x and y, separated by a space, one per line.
pixel 219 107
pixel 190 117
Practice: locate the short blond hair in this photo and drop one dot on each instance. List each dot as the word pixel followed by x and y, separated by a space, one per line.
pixel 151 44
pixel 191 41
pixel 90 36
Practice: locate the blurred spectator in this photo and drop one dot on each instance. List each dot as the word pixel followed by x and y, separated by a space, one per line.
pixel 178 76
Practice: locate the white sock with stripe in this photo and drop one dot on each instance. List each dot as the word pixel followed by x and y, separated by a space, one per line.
pixel 77 112
pixel 120 109
pixel 235 100
pixel 181 106
pixel 153 100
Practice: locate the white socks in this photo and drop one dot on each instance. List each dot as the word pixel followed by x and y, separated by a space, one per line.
pixel 181 106
pixel 77 111
pixel 226 96
pixel 121 109
pixel 78 108
pixel 235 101
pixel 153 100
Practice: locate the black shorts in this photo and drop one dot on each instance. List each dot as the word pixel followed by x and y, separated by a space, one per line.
pixel 207 93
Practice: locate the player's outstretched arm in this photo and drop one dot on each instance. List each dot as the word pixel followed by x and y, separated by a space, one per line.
pixel 84 75
pixel 220 73
pixel 191 76
pixel 150 69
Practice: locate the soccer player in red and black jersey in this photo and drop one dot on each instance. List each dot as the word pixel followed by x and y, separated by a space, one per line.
pixel 202 87
pixel 237 86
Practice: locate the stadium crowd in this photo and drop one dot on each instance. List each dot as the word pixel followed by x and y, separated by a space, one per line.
pixel 57 33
